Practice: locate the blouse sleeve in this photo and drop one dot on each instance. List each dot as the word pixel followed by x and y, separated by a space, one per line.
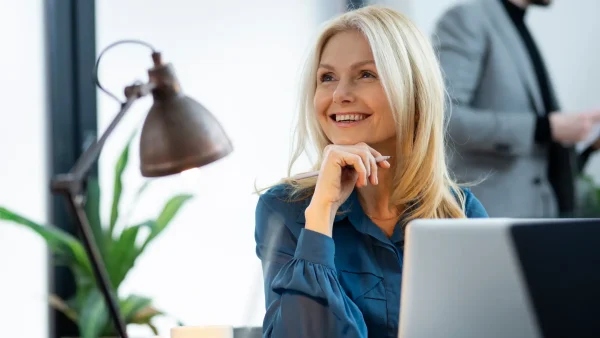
pixel 304 297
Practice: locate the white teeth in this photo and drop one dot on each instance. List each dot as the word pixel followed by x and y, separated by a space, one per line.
pixel 349 117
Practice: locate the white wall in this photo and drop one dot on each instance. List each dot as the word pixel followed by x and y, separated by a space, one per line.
pixel 23 179
pixel 241 60
pixel 567 33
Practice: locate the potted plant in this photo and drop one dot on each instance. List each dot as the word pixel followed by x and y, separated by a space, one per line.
pixel 588 197
pixel 118 250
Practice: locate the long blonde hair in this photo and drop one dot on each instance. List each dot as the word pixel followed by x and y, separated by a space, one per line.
pixel 413 83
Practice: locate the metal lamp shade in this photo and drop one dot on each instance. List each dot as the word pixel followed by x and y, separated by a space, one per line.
pixel 178 133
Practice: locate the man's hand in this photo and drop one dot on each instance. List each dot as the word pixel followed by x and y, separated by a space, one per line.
pixel 570 128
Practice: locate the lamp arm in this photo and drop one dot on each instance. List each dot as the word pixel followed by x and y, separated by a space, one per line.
pixel 91 154
pixel 76 203
pixel 72 186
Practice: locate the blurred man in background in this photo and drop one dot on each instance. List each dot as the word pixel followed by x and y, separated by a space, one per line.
pixel 506 125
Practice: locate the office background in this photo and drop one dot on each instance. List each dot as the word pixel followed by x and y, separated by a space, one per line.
pixel 241 60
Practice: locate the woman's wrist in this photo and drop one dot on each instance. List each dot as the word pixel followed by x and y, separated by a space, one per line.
pixel 319 217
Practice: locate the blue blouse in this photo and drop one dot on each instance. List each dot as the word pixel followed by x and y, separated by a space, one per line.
pixel 347 285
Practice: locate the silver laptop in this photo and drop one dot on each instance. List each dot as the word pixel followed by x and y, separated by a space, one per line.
pixel 498 278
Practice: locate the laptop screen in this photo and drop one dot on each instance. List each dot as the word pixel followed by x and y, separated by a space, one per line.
pixel 561 266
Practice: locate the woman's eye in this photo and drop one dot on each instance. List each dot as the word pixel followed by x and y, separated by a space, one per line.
pixel 326 77
pixel 366 74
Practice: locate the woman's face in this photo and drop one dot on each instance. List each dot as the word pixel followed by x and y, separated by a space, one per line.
pixel 350 102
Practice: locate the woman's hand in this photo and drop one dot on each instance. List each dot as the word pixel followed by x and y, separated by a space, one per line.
pixel 343 168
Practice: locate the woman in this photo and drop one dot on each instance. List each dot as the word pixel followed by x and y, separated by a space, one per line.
pixel 331 247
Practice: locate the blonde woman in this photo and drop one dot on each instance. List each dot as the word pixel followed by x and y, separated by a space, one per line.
pixel 331 247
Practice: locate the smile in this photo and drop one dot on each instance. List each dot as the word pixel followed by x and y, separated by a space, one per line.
pixel 348 117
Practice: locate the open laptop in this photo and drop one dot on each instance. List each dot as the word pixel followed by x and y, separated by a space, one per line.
pixel 499 278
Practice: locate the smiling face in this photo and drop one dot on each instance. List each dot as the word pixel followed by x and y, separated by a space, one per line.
pixel 350 102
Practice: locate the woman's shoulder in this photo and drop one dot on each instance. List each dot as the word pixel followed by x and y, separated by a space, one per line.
pixel 281 204
pixel 473 207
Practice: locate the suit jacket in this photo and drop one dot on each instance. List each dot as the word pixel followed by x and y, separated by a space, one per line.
pixel 494 102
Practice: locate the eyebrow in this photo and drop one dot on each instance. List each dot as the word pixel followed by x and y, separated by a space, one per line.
pixel 356 65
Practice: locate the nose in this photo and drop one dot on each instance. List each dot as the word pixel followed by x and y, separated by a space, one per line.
pixel 344 93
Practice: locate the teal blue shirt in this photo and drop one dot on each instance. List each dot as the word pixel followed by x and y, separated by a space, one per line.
pixel 347 285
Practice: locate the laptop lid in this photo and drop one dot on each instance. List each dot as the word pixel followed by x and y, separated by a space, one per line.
pixel 501 278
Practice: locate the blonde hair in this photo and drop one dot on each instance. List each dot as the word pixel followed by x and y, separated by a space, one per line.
pixel 413 83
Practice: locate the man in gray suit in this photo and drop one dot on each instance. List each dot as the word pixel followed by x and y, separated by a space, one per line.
pixel 506 129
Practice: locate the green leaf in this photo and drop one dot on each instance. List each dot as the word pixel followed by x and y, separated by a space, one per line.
pixel 83 290
pixel 124 252
pixel 588 197
pixel 169 211
pixel 69 250
pixel 145 315
pixel 92 209
pixel 136 198
pixel 133 306
pixel 153 328
pixel 94 316
pixel 141 190
pixel 118 184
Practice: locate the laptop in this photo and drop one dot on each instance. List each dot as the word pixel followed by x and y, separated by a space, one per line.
pixel 498 278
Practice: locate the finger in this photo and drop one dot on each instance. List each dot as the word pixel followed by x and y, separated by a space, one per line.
pixel 383 161
pixel 373 177
pixel 364 154
pixel 369 154
pixel 376 154
pixel 367 158
pixel 373 152
pixel 370 164
pixel 354 160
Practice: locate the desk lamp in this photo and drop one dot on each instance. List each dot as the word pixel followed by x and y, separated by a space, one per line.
pixel 178 134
